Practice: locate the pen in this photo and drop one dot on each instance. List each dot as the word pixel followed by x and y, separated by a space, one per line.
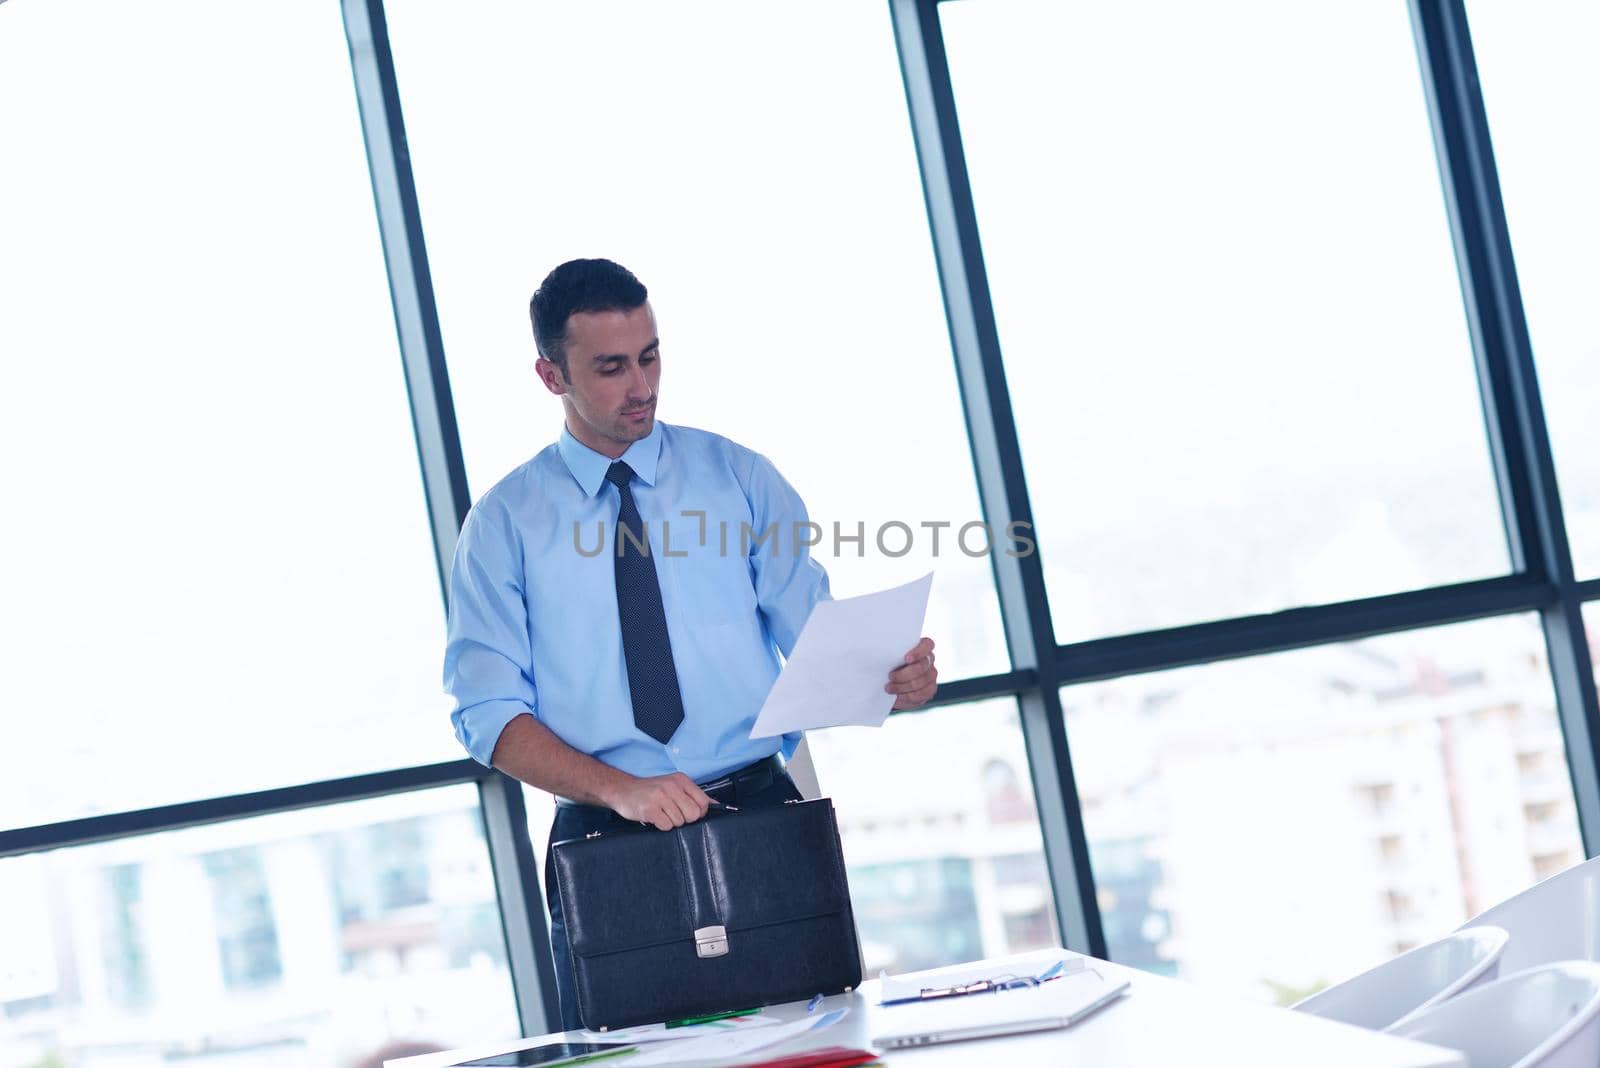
pixel 811 1006
pixel 692 1020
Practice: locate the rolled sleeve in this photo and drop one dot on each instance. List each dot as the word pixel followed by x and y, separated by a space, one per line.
pixel 788 583
pixel 488 660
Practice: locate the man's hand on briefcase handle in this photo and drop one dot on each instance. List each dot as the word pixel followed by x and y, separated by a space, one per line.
pixel 663 801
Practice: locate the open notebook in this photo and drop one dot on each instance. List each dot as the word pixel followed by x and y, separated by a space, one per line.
pixel 1058 1003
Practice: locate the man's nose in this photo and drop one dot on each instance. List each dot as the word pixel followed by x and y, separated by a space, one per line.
pixel 638 385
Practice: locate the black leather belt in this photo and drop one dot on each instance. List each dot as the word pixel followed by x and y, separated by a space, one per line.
pixel 729 788
pixel 750 779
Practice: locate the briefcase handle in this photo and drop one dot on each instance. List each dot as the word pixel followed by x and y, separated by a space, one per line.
pixel 717 808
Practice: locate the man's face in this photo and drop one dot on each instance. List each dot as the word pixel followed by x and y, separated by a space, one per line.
pixel 614 367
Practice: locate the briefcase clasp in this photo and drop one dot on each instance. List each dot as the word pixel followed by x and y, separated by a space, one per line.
pixel 711 941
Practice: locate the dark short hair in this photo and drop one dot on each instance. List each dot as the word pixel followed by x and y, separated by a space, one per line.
pixel 579 286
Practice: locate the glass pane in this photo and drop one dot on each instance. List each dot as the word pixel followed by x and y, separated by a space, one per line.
pixel 1271 825
pixel 1225 288
pixel 315 937
pixel 1540 86
pixel 780 229
pixel 229 580
pixel 941 836
pixel 1591 630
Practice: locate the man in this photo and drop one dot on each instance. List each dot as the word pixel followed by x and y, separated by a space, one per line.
pixel 626 681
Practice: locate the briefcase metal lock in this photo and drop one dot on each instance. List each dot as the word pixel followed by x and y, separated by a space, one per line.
pixel 711 941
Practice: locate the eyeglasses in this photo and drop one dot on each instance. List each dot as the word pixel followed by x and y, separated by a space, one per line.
pixel 988 986
pixel 981 986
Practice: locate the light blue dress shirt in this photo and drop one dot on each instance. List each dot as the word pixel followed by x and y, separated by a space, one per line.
pixel 533 600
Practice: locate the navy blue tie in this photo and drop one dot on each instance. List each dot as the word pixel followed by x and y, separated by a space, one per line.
pixel 652 678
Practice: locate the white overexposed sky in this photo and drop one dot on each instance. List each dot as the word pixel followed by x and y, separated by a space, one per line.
pixel 1224 282
pixel 217 557
pixel 1540 85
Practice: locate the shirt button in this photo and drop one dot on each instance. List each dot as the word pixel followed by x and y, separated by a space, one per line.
pixel 676 750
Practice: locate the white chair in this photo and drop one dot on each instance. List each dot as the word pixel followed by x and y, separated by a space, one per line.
pixel 1547 1016
pixel 1558 919
pixel 1398 989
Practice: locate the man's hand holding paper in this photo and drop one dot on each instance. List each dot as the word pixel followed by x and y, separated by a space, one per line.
pixel 836 674
pixel 914 681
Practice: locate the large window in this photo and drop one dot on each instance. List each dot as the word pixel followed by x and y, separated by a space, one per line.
pixel 1273 824
pixel 219 573
pixel 314 937
pixel 1232 327
pixel 775 215
pixel 1542 91
pixel 1225 290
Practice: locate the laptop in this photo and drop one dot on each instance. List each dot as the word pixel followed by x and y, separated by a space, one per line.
pixel 1058 1003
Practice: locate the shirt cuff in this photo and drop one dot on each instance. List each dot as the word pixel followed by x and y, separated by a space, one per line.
pixel 478 727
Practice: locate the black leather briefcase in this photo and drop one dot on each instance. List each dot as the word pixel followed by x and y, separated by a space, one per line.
pixel 737 910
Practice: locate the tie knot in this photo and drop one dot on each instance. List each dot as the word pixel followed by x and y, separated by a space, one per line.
pixel 619 475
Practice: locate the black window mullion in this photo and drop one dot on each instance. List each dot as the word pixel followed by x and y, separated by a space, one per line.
pixel 1519 441
pixel 522 911
pixel 91 829
pixel 997 462
pixel 1299 628
pixel 444 477
pixel 416 317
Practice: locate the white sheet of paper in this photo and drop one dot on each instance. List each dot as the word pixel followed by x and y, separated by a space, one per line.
pixel 728 1044
pixel 842 659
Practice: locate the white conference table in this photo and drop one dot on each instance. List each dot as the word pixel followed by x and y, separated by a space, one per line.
pixel 1158 1021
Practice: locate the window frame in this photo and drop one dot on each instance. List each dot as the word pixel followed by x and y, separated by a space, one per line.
pixel 1542 579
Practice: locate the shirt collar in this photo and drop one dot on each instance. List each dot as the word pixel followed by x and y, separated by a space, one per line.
pixel 590 467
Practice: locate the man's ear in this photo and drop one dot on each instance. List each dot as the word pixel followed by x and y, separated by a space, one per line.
pixel 550 375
